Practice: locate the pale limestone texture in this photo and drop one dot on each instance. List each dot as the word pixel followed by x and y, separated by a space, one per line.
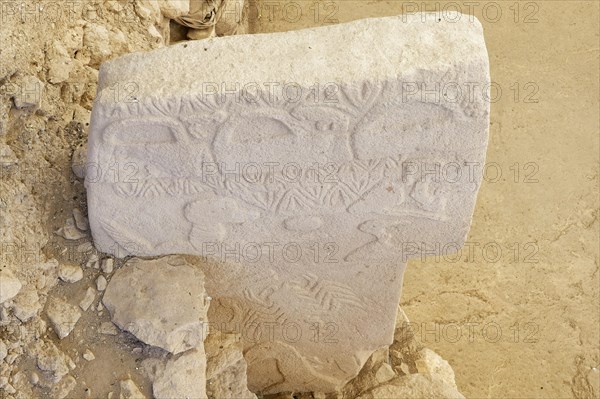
pixel 9 285
pixel 183 376
pixel 306 179
pixel 226 368
pixel 162 302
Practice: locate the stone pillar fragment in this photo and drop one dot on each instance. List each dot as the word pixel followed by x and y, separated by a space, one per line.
pixel 306 167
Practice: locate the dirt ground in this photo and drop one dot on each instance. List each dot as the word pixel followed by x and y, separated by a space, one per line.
pixel 517 312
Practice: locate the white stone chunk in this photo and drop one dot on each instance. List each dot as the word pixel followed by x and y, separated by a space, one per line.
pixel 88 355
pixel 62 315
pixel 81 220
pixel 107 265
pixel 183 376
pixel 88 299
pixel 9 285
pixel 226 368
pixel 70 231
pixel 307 179
pixel 101 283
pixel 3 350
pixel 70 272
pixel 162 302
pixel 174 8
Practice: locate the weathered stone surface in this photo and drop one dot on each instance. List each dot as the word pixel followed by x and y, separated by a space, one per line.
pixel 183 376
pixel 129 390
pixel 62 315
pixel 414 386
pixel 307 179
pixel 226 368
pixel 162 302
pixel 9 285
pixel 70 272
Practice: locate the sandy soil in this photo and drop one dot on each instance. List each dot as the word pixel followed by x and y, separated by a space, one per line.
pixel 522 323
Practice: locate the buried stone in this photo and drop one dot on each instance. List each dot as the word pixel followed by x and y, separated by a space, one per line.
pixel 316 245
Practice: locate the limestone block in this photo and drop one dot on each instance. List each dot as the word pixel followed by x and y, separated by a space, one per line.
pixel 306 167
pixel 183 376
pixel 161 302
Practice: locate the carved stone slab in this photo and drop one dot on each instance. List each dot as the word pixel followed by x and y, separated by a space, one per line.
pixel 306 167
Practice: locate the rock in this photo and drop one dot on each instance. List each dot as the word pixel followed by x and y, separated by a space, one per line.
pixel 101 283
pixel 63 316
pixel 30 93
pixel 3 350
pixel 78 159
pixel 226 368
pixel 96 39
pixel 9 285
pixel 88 299
pixel 107 265
pixel 108 328
pixel 81 222
pixel 183 376
pixel 414 386
pixel 130 391
pixel 70 273
pixel 431 363
pixel 384 373
pixel 8 157
pixel 69 231
pixel 59 63
pixel 174 8
pixel 88 355
pixel 212 172
pixel 27 304
pixel 93 262
pixel 51 360
pixel 162 302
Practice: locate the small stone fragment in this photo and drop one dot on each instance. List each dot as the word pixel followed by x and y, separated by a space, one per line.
pixel 107 265
pixel 51 360
pixel 81 222
pixel 92 261
pixel 27 304
pixel 7 156
pixel 183 377
pixel 384 373
pixel 62 315
pixel 174 8
pixel 130 391
pixel 59 63
pixel 433 364
pixel 69 231
pixel 9 285
pixel 3 350
pixel 70 272
pixel 88 299
pixel 108 328
pixel 78 161
pixel 101 283
pixel 96 39
pixel 226 367
pixel 29 94
pixel 88 355
pixel 161 304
